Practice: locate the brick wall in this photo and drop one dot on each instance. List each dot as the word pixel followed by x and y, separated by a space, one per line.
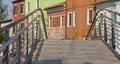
pixel 56 33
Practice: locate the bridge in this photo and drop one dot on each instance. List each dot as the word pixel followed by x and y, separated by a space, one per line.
pixel 30 45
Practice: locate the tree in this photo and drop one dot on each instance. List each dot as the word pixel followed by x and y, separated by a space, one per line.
pixel 3 15
pixel 3 10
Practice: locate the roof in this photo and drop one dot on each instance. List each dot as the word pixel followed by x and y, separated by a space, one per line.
pixel 56 5
pixel 104 1
pixel 16 1
pixel 5 21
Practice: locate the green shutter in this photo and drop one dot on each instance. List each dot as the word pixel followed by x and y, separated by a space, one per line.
pixel 38 4
pixel 14 29
pixel 63 20
pixel 70 19
pixel 15 10
pixel 28 6
pixel 90 16
pixel 22 8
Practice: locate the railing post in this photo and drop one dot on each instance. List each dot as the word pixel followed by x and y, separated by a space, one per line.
pixel 39 29
pixel 100 24
pixel 32 31
pixel 105 30
pixel 5 52
pixel 36 30
pixel 27 38
pixel 113 35
pixel 100 30
pixel 18 50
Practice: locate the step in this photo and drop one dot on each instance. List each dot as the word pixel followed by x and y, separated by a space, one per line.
pixel 75 52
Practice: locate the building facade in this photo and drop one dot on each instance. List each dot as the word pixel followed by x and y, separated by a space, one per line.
pixel 18 12
pixel 56 21
pixel 113 5
pixel 80 14
pixel 31 5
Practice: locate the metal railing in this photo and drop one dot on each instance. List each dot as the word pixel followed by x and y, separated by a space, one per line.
pixel 19 47
pixel 106 26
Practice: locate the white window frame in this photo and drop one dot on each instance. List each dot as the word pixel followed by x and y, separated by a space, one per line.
pixel 74 18
pixel 37 4
pixel 88 16
pixel 14 11
pixel 61 20
pixel 68 19
pixel 50 22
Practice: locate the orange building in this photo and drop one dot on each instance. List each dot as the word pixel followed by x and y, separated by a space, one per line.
pixel 80 14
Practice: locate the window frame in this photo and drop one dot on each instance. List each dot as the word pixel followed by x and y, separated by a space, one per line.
pixel 62 20
pixel 50 21
pixel 88 17
pixel 74 18
pixel 15 10
pixel 22 8
pixel 28 6
pixel 14 29
pixel 37 6
pixel 69 19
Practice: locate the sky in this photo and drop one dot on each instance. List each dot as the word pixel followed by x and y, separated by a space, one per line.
pixel 9 3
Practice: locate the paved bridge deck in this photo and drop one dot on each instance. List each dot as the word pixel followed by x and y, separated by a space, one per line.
pixel 75 52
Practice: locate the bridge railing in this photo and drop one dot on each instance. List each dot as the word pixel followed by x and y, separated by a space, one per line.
pixel 106 26
pixel 27 33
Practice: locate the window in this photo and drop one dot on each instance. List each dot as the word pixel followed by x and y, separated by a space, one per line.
pixel 22 8
pixel 51 22
pixel 28 7
pixel 69 19
pixel 113 15
pixel 14 29
pixel 22 25
pixel 90 16
pixel 15 10
pixel 37 3
pixel 74 18
pixel 62 22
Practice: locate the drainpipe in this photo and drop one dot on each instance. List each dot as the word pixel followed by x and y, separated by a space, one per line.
pixel 66 20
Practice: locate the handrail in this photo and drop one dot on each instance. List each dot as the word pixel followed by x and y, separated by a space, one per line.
pixel 94 20
pixel 16 36
pixel 107 30
pixel 25 40
pixel 5 21
pixel 18 21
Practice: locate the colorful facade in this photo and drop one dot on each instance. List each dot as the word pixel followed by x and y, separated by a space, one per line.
pixel 34 4
pixel 56 21
pixel 31 5
pixel 18 9
pixel 80 14
pixel 18 12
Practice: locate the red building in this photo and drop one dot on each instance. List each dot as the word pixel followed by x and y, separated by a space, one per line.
pixel 18 12
pixel 56 21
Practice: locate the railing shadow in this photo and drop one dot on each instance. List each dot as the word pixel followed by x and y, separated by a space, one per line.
pixel 51 61
pixel 38 51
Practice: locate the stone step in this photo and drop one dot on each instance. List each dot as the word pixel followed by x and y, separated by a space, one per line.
pixel 75 52
pixel 75 62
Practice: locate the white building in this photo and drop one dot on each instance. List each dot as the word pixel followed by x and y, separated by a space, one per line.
pixel 113 6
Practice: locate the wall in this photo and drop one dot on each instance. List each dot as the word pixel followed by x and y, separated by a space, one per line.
pixel 19 15
pixel 80 7
pixel 56 31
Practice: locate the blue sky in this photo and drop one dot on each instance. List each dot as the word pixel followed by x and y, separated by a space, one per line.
pixel 9 3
